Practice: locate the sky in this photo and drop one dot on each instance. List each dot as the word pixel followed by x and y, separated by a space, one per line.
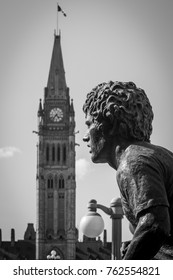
pixel 101 40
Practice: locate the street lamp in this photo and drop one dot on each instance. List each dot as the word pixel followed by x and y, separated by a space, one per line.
pixel 92 224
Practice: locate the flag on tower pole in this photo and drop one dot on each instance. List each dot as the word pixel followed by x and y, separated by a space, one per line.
pixel 60 10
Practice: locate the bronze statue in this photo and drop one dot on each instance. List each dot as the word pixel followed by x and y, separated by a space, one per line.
pixel 119 119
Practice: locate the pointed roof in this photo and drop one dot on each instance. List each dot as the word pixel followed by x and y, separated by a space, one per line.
pixel 56 81
pixel 40 110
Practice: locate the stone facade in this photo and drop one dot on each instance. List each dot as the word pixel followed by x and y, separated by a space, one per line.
pixel 88 249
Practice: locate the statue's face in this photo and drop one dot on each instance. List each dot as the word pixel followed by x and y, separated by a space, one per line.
pixel 96 141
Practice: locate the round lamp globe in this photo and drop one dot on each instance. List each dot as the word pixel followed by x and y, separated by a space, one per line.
pixel 92 225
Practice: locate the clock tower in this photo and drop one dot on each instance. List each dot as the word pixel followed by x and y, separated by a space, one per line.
pixel 56 184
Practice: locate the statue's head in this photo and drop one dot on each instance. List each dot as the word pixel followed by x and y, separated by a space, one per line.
pixel 122 108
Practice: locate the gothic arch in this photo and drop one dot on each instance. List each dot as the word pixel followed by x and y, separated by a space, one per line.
pixel 61 184
pixel 50 183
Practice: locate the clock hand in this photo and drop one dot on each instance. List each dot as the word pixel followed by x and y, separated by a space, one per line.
pixel 57 117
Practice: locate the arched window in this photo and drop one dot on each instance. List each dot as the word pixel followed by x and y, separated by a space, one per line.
pixel 53 152
pixel 58 153
pixel 64 153
pixel 50 182
pixel 47 152
pixel 61 182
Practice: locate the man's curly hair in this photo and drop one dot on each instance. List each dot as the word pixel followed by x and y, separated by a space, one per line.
pixel 125 104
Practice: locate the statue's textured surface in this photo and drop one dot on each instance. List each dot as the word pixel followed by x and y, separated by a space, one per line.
pixel 119 119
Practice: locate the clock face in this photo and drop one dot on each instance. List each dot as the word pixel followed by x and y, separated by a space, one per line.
pixel 56 114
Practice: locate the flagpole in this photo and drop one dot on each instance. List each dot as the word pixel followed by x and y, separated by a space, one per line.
pixel 59 9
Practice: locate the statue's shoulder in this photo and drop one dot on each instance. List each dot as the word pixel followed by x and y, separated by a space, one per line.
pixel 141 155
pixel 145 151
pixel 137 152
pixel 135 157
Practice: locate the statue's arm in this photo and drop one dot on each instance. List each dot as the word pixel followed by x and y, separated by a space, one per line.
pixel 152 229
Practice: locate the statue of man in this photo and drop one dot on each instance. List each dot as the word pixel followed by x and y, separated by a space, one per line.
pixel 119 120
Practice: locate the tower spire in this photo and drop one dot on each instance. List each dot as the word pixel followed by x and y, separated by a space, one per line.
pixel 56 85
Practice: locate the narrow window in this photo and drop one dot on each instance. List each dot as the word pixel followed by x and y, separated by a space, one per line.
pixel 53 153
pixel 47 152
pixel 50 182
pixel 64 153
pixel 61 182
pixel 58 153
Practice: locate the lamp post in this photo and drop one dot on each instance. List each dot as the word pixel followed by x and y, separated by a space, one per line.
pixel 92 224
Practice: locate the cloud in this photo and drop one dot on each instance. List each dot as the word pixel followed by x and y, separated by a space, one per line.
pixel 82 168
pixel 7 152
